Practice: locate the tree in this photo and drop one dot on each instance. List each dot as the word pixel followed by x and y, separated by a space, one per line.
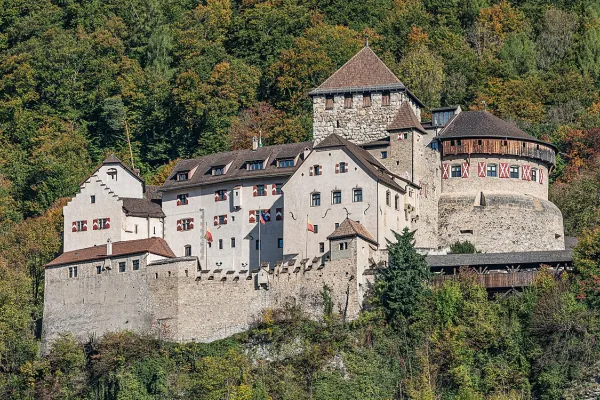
pixel 555 41
pixel 423 72
pixel 518 55
pixel 401 288
pixel 465 247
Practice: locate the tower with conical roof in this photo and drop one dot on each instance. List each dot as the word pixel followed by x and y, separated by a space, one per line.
pixel 360 100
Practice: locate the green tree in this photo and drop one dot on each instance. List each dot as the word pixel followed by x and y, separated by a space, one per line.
pixel 465 247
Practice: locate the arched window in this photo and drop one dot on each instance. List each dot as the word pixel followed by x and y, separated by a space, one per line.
pixel 388 198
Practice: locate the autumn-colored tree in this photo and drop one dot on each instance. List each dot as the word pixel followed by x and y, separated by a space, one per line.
pixel 494 24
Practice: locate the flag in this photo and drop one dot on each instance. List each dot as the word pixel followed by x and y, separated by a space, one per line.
pixel 265 216
pixel 310 226
pixel 208 235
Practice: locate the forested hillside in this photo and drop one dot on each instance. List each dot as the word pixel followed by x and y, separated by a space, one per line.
pixel 183 78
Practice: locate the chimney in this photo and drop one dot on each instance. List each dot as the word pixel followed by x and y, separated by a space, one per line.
pixel 254 143
pixel 108 247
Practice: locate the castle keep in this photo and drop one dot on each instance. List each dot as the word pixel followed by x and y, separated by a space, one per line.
pixel 230 234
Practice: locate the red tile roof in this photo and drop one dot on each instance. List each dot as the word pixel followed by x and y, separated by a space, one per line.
pixel 406 119
pixel 153 245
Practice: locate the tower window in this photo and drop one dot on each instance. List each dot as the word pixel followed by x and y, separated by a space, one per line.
pixel 188 250
pixel 136 264
pixel 344 246
pixel 492 170
pixel 385 98
pixel 384 154
pixel 347 101
pixel 366 99
pixel 514 171
pixel 456 171
pixel 534 174
pixel 329 102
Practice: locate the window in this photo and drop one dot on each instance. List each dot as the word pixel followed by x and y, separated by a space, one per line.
pixel 385 98
pixel 255 165
pixel 479 142
pixel 278 188
pixel 397 202
pixel 514 171
pixel 347 100
pixel 103 223
pixel 80 226
pixel 260 190
pixel 317 169
pixel 112 173
pixel 388 198
pixel 135 229
pixel 183 175
pixel 218 170
pixel 384 154
pixel 122 267
pixel 505 143
pixel 321 247
pixel 285 163
pixel 534 175
pixel 182 199
pixel 329 102
pixel 452 143
pixel 366 99
pixel 456 171
pixel 336 197
pixel 343 167
pixel 222 219
pixel 72 272
pixel 258 244
pixel 357 195
pixel 220 244
pixel 316 228
pixel 337 225
pixel 188 250
pixel 492 170
pixel 136 265
pixel 98 269
pixel 280 243
pixel 344 246
pixel 221 195
pixel 186 224
pixel 315 200
pixel 459 142
pixel 232 242
pixel 93 199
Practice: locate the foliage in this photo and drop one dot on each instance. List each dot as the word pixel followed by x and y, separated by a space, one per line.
pixel 465 247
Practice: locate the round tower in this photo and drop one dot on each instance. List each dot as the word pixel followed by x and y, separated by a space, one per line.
pixel 495 187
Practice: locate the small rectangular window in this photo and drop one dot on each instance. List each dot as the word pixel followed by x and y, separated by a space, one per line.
pixel 317 169
pixel 258 244
pixel 220 244
pixel 385 98
pixel 388 198
pixel 260 190
pixel 456 171
pixel 183 175
pixel 337 225
pixel 182 199
pixel 316 228
pixel 514 171
pixel 280 243
pixel 397 202
pixel 357 196
pixel 329 102
pixel 103 223
pixel 92 199
pixel 366 99
pixel 492 170
pixel 344 246
pixel 122 267
pixel 347 100
pixel 336 197
pixel 232 242
pixel 135 229
pixel 186 224
pixel 384 154
pixel 188 250
pixel 222 219
pixel 80 226
pixel 136 264
pixel 72 272
pixel 343 167
pixel 534 175
pixel 186 273
pixel 278 188
pixel 315 200
pixel 98 269
pixel 321 247
pixel 285 163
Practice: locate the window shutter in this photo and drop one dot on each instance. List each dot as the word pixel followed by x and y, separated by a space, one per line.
pixel 85 225
pixel 504 170
pixel 465 169
pixel 273 189
pixel 526 172
pixel 178 202
pixel 337 168
pixel 225 220
pixel 320 170
pixel 254 190
pixel 226 195
pixel 445 170
pixel 251 217
pixel 95 225
pixel 216 220
pixel 481 169
pixel 311 171
pixel 216 195
pixel 541 176
pixel 191 223
pixel 74 226
pixel 278 214
pixel 107 223
pixel 179 226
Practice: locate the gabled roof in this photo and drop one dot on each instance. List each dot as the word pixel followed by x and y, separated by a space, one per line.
pixel 363 71
pixel 236 160
pixel 482 124
pixel 351 228
pixel 153 245
pixel 365 158
pixel 406 119
pixel 112 159
pixel 141 208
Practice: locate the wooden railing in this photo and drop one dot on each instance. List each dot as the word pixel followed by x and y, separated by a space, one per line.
pixel 519 148
pixel 496 280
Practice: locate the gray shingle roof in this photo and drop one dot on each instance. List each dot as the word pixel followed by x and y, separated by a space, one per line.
pixel 141 208
pixel 237 171
pixel 350 228
pixel 500 259
pixel 406 119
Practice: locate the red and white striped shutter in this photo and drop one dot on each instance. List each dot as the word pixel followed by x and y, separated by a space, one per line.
pixel 400 136
pixel 178 202
pixel 251 217
pixel 191 223
pixel 254 190
pixel 320 170
pixel 95 224
pixel 216 220
pixel 445 170
pixel 481 169
pixel 179 226
pixel 107 223
pixel 504 170
pixel 526 172
pixel 85 225
pixel 278 214
pixel 226 195
pixel 74 226
pixel 541 176
pixel 427 190
pixel 337 168
pixel 216 195
pixel 311 171
pixel 225 220
pixel 273 189
pixel 465 169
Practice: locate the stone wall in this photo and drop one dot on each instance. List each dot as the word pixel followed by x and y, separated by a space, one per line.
pixel 500 222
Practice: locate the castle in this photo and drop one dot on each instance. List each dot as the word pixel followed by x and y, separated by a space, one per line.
pixel 230 234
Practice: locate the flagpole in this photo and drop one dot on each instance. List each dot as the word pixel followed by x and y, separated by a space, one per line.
pixel 205 245
pixel 306 241
pixel 259 242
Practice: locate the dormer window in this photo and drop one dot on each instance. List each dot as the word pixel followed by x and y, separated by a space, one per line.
pixel 218 170
pixel 285 163
pixel 183 175
pixel 255 165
